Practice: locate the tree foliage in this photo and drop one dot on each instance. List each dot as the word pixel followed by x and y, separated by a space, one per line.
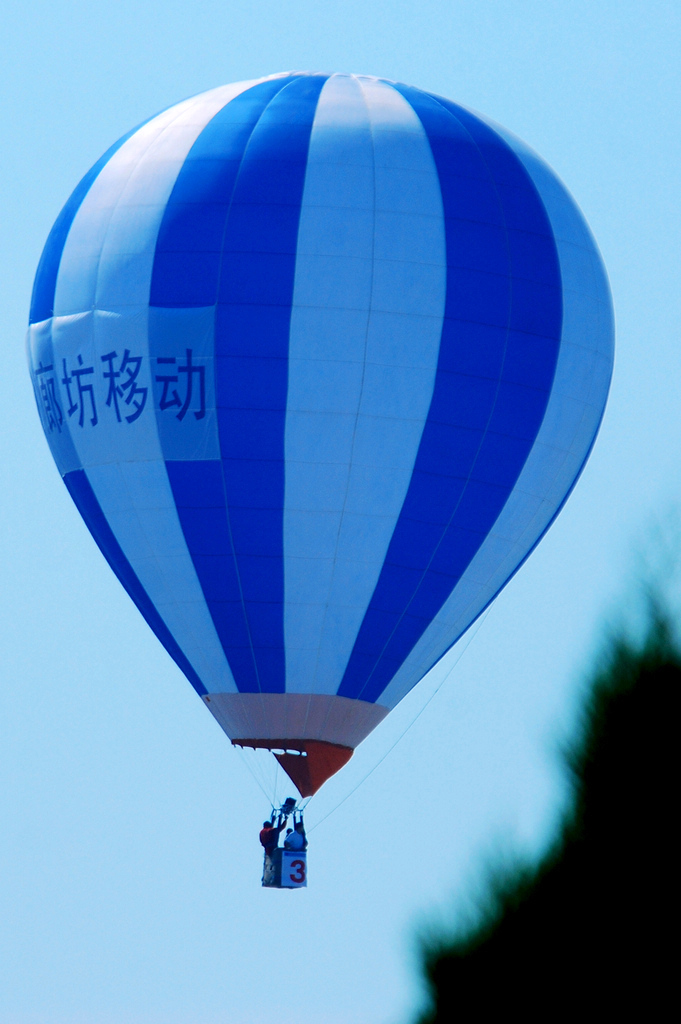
pixel 591 927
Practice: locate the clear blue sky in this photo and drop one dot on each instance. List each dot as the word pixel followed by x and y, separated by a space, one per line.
pixel 129 862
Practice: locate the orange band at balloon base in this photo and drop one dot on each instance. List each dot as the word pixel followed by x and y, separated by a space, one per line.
pixel 315 762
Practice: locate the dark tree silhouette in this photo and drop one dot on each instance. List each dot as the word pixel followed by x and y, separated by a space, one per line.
pixel 592 928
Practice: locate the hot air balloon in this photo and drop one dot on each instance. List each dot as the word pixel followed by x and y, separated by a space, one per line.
pixel 319 358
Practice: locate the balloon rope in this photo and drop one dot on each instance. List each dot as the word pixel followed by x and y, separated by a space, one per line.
pixel 267 783
pixel 277 776
pixel 262 789
pixel 474 633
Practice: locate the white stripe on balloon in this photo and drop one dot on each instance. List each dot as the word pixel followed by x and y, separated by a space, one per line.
pixel 367 315
pixel 106 267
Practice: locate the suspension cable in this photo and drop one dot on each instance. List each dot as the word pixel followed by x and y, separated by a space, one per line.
pixel 473 634
pixel 245 760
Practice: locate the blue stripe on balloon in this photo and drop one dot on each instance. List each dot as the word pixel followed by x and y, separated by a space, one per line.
pixel 251 350
pixel 239 196
pixel 191 236
pixel 497 360
pixel 198 490
pixel 185 275
pixel 45 283
pixel 84 498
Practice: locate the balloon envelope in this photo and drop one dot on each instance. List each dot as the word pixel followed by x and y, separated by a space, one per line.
pixel 319 358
